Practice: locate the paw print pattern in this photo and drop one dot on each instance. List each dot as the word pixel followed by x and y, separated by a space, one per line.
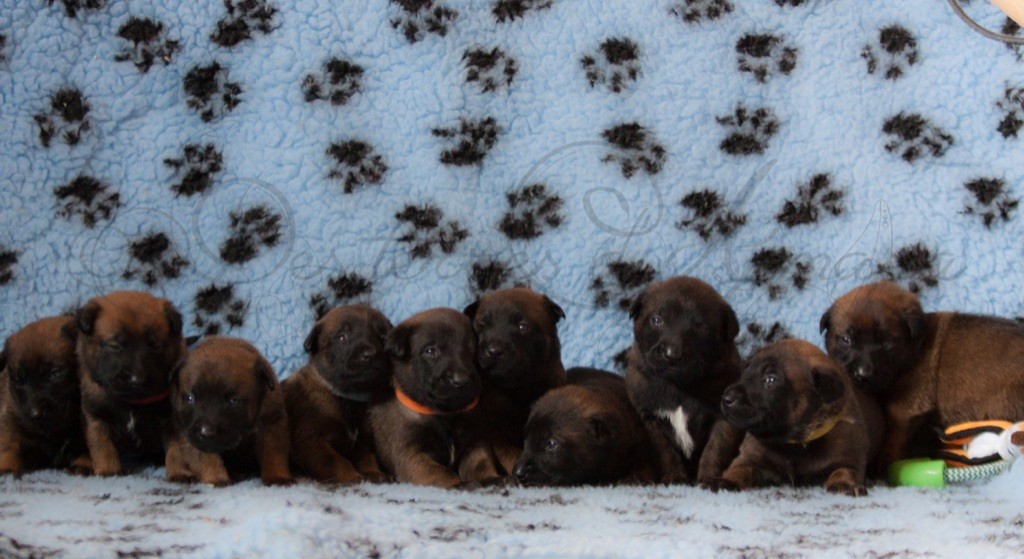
pixel 635 149
pixel 469 141
pixel 621 359
pixel 1011 28
pixel 338 82
pixel 71 7
pixel 87 198
pixel 1012 105
pixel 621 281
pixel 67 119
pixel 8 260
pixel 812 198
pixel 355 164
pixel 243 18
pixel 420 17
pixel 756 336
pixel 196 170
pixel 154 258
pixel 895 52
pixel 147 44
pixel 764 56
pixel 425 231
pixel 615 64
pixel 914 264
pixel 530 210
pixel 217 307
pixel 511 10
pixel 696 11
pixel 991 200
pixel 491 275
pixel 748 131
pixel 251 229
pixel 708 215
pixel 209 92
pixel 789 3
pixel 3 48
pixel 341 289
pixel 913 137
pixel 489 69
pixel 774 267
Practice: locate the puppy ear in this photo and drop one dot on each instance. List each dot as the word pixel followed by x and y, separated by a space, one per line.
pixel 732 325
pixel 471 309
pixel 172 377
pixel 554 310
pixel 828 385
pixel 85 317
pixel 174 322
pixel 266 373
pixel 637 305
pixel 397 345
pixel 913 319
pixel 312 343
pixel 825 324
pixel 3 357
pixel 69 331
pixel 602 428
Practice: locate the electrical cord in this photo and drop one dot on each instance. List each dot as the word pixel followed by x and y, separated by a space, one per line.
pixel 977 27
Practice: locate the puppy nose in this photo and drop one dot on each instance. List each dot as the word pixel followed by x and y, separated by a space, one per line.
pixel 862 373
pixel 459 379
pixel 35 412
pixel 367 354
pixel 523 470
pixel 671 352
pixel 493 350
pixel 136 379
pixel 207 430
pixel 730 398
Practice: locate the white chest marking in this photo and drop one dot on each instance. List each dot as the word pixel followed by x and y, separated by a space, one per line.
pixel 677 418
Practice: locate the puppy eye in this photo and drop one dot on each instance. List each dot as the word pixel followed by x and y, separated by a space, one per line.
pixel 524 327
pixel 656 320
pixel 771 379
pixel 844 340
pixel 57 373
pixel 341 336
pixel 235 401
pixel 112 345
pixel 551 445
pixel 430 351
pixel 18 375
pixel 188 398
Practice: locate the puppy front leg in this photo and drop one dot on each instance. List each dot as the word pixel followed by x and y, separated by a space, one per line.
pixel 506 455
pixel 740 475
pixel 420 469
pixel 325 464
pixel 722 448
pixel 208 467
pixel 846 481
pixel 366 460
pixel 105 459
pixel 174 462
pixel 273 453
pixel 10 451
pixel 478 466
pixel 670 462
pixel 898 429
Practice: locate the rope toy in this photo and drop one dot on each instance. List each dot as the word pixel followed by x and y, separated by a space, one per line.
pixel 971 451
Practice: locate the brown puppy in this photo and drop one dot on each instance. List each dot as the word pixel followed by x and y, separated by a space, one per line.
pixel 586 433
pixel 683 357
pixel 520 360
pixel 229 417
pixel 430 430
pixel 328 398
pixel 127 343
pixel 40 407
pixel 928 369
pixel 805 422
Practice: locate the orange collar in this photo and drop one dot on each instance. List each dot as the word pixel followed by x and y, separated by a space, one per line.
pixel 419 408
pixel 150 399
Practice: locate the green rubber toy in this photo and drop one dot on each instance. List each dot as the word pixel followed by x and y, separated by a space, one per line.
pixel 924 472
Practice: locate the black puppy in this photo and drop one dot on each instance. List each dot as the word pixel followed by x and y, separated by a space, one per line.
pixel 683 357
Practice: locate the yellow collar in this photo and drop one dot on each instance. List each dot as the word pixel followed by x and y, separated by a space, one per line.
pixel 819 432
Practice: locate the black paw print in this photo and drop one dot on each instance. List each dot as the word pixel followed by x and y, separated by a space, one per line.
pixel 71 7
pixel 8 259
pixel 756 336
pixel 914 137
pixel 695 11
pixel 992 201
pixel 196 169
pixel 153 259
pixel 636 149
pixel 1012 105
pixel 914 264
pixel 3 47
pixel 88 198
pixel 510 10
pixel 790 3
pixel 748 131
pixel 709 215
pixel 355 164
pixel 813 197
pixel 765 55
pixel 530 209
pixel 895 52
pixel 621 359
pixel 216 305
pixel 244 18
pixel 209 92
pixel 490 69
pixel 67 119
pixel 616 62
pixel 251 229
pixel 470 141
pixel 341 289
pixel 627 279
pixel 1011 28
pixel 338 82
pixel 491 275
pixel 773 265
pixel 147 43
pixel 420 17
pixel 425 231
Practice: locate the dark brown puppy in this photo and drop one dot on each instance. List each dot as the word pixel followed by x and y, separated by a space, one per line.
pixel 520 360
pixel 586 433
pixel 327 399
pixel 127 343
pixel 928 369
pixel 683 357
pixel 40 407
pixel 430 430
pixel 806 423
pixel 229 416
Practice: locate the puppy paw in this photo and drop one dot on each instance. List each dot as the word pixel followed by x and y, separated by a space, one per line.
pixel 721 484
pixel 182 477
pixel 497 481
pixel 376 477
pixel 81 466
pixel 277 480
pixel 847 488
pixel 14 471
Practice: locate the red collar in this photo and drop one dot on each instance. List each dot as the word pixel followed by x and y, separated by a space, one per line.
pixel 419 408
pixel 159 397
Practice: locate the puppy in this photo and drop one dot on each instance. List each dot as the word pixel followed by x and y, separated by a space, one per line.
pixel 805 422
pixel 328 398
pixel 683 357
pixel 430 429
pixel 520 359
pixel 927 369
pixel 586 433
pixel 229 416
pixel 127 343
pixel 40 407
